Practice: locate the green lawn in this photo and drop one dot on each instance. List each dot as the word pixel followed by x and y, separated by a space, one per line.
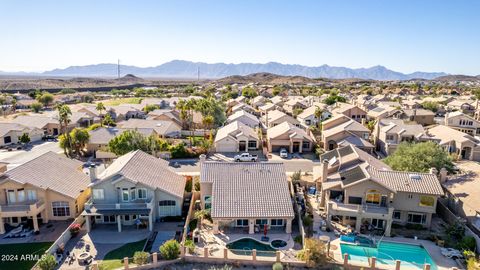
pixel 21 256
pixel 114 258
pixel 118 101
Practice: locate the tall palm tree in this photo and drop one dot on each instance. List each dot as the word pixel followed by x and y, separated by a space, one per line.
pixel 100 108
pixel 64 114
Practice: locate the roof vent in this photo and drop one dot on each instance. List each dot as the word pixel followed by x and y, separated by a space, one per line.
pixel 415 177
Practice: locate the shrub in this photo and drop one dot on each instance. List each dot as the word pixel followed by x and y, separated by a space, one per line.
pixel 307 221
pixel 74 229
pixel 47 262
pixel 188 184
pixel 170 250
pixel 277 266
pixel 296 176
pixel 140 257
pixel 314 252
pixel 417 227
pixel 467 243
pixel 190 246
pixel 298 239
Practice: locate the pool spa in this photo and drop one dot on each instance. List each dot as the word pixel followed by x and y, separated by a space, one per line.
pixel 386 253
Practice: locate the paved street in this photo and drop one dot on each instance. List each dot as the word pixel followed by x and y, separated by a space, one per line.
pixel 17 157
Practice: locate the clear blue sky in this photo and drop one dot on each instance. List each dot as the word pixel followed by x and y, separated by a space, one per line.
pixel 407 35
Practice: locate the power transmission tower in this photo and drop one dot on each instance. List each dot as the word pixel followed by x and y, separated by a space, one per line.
pixel 118 68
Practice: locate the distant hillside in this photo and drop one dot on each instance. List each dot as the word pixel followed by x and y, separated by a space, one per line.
pixel 454 78
pixel 265 78
pixel 187 69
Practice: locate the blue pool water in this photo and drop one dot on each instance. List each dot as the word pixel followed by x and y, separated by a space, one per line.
pixel 245 246
pixel 357 239
pixel 388 252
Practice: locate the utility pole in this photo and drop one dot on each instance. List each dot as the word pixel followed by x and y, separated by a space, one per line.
pixel 198 74
pixel 118 68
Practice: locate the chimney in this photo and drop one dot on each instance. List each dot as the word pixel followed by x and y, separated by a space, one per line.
pixel 324 167
pixel 92 171
pixel 364 121
pixel 443 175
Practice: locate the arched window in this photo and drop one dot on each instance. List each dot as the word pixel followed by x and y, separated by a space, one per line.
pixel 373 196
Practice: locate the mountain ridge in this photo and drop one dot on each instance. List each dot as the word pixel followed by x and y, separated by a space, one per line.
pixel 189 69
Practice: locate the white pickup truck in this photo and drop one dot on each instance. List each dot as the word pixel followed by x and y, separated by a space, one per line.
pixel 245 157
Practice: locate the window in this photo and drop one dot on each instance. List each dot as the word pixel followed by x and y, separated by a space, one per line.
pixel 166 203
pixel 261 221
pixel 354 200
pixel 31 195
pixel 373 197
pixel 366 135
pixel 427 201
pixel 378 223
pixel 126 217
pixel 11 196
pixel 276 222
pixel 390 137
pixel 125 195
pixel 142 194
pixel 60 209
pixel 21 195
pixel 308 122
pixel 306 145
pixel 410 196
pixel 397 215
pixel 241 222
pixel 109 219
pixel 7 139
pixel 354 116
pixel 132 194
pixel 208 202
pixel 98 194
pixel 252 144
pixel 417 218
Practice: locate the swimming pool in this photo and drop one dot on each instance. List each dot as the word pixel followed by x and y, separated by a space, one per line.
pixel 388 252
pixel 245 246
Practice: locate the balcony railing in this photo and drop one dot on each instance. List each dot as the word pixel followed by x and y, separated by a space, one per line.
pixel 25 206
pixel 358 208
pixel 124 205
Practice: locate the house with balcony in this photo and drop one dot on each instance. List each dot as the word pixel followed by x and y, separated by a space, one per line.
pixel 309 116
pixel 462 122
pixel 290 137
pixel 246 197
pixel 389 133
pixel 362 192
pixel 349 110
pixel 136 189
pixel 38 191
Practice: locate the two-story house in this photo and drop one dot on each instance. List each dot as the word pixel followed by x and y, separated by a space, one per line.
pixel 389 133
pixel 363 192
pixel 48 187
pixel 312 115
pixel 341 130
pixel 246 196
pixel 462 122
pixel 276 117
pixel 136 189
pixel 349 110
pixel 236 137
pixel 453 141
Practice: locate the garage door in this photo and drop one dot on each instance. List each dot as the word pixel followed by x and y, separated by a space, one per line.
pixel 167 208
pixel 276 148
pixel 230 147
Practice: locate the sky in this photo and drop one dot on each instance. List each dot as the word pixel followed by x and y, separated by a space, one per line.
pixel 405 36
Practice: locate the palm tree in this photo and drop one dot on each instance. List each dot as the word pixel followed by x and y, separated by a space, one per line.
pixel 208 121
pixel 100 108
pixel 64 114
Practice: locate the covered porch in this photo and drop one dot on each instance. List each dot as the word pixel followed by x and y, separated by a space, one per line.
pixel 139 218
pixel 17 213
pixel 252 225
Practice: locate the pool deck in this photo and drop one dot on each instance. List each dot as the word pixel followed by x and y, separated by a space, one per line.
pixel 433 250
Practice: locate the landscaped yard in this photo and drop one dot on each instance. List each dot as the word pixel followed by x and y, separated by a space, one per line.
pixel 114 258
pixel 116 102
pixel 21 256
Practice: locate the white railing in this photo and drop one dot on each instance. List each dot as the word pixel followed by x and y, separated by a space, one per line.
pixel 21 207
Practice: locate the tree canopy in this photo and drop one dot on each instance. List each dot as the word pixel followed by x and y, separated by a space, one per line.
pixel 419 157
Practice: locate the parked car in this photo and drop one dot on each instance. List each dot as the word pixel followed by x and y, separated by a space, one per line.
pixel 245 157
pixel 49 138
pixel 283 153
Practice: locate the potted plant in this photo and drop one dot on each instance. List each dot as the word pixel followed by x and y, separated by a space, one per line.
pixel 74 229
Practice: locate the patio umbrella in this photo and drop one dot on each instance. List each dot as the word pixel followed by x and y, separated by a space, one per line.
pixel 265 229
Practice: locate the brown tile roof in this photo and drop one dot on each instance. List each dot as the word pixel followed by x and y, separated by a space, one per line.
pixel 51 171
pixel 248 190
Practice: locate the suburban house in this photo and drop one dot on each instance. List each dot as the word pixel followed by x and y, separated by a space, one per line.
pixel 421 116
pixel 411 104
pixel 100 137
pixel 462 122
pixel 243 107
pixel 463 105
pixel 246 196
pixel 245 117
pixel 126 111
pixel 136 189
pixel 165 115
pixel 266 108
pixel 290 137
pixel 49 125
pixel 258 101
pixel 364 193
pixel 293 104
pixel 308 116
pixel 352 111
pixel 36 192
pixel 341 130
pixel 454 141
pixel 236 137
pixel 160 127
pixel 276 117
pixel 381 112
pixel 389 133
pixel 277 100
pixel 10 133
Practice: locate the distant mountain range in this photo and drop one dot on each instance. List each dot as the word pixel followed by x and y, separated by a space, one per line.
pixel 186 69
